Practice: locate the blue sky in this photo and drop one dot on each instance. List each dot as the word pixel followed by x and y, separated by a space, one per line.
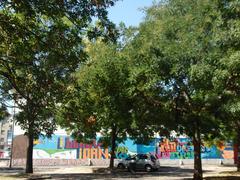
pixel 128 11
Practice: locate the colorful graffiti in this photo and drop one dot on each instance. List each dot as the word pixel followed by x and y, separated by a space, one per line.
pixel 63 147
pixel 182 148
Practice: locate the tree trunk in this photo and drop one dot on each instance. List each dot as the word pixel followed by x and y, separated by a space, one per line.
pixel 238 150
pixel 113 146
pixel 29 161
pixel 198 175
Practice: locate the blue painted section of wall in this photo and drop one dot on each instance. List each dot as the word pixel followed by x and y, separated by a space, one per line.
pixel 132 147
pixel 47 143
pixel 150 148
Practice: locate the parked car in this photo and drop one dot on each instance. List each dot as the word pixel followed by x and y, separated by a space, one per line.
pixel 147 162
pixel 123 163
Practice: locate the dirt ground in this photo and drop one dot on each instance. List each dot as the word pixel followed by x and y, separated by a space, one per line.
pixel 93 172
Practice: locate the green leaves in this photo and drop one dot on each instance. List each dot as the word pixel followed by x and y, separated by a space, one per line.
pixel 3 112
pixel 41 45
pixel 100 92
pixel 176 53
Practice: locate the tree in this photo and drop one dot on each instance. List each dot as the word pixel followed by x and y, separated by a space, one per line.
pixel 3 112
pixel 41 45
pixel 178 36
pixel 227 76
pixel 99 102
pixel 151 112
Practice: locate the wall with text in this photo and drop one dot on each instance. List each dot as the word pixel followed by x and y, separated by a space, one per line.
pixel 64 147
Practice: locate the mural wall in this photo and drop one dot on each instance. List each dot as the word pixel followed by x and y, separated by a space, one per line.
pixel 63 147
pixel 182 148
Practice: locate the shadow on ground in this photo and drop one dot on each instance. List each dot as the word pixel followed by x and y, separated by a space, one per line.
pixel 11 170
pixel 226 175
pixel 223 178
pixel 105 173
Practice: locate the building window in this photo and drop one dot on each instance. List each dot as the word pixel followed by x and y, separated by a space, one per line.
pixel 2 132
pixel 9 134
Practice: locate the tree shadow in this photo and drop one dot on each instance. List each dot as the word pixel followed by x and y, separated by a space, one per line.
pixel 223 178
pixel 105 173
pixel 11 170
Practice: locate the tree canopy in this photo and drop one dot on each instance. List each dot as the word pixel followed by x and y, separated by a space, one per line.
pixel 100 101
pixel 177 39
pixel 41 45
pixel 179 70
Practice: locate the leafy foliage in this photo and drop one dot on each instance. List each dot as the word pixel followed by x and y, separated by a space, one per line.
pixel 178 50
pixel 100 100
pixel 41 44
pixel 40 47
pixel 3 112
pixel 227 77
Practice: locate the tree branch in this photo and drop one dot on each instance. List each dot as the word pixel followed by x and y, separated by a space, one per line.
pixel 13 84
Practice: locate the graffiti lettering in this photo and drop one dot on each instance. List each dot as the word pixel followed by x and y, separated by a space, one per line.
pixel 93 153
pixel 67 143
pixel 63 147
pixel 183 149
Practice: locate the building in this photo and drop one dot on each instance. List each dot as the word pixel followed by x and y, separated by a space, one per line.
pixel 6 128
pixel 61 149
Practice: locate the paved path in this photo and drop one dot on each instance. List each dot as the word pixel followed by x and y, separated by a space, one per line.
pixel 90 173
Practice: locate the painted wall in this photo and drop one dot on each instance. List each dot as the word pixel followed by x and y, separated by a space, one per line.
pixel 182 148
pixel 63 147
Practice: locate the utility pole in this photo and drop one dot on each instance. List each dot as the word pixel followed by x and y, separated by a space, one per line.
pixel 13 121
